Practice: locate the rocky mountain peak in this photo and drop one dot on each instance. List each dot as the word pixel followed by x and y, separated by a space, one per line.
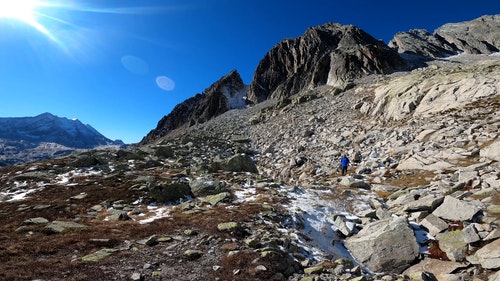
pixel 332 54
pixel 227 93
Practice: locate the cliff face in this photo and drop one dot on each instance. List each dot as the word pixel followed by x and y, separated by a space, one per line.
pixel 479 36
pixel 225 94
pixel 331 54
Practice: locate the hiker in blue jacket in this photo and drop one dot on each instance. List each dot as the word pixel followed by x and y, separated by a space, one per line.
pixel 344 163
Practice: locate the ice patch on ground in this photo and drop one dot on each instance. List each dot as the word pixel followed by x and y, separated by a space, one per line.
pixel 235 100
pixel 312 213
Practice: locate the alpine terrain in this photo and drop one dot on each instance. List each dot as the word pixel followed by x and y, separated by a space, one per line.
pixel 242 182
pixel 25 139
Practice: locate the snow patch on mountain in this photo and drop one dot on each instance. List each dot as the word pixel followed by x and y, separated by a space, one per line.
pixel 235 100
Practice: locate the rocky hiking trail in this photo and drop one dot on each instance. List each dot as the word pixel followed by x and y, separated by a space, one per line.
pixel 255 194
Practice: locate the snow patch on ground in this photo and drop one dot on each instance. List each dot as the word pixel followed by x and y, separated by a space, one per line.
pixel 248 194
pixel 312 214
pixel 158 213
pixel 17 194
pixel 66 177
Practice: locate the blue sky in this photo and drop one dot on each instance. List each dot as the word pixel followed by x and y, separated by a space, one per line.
pixel 120 66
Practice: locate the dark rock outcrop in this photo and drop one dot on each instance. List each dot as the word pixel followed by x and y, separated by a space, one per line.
pixel 477 36
pixel 225 94
pixel 331 54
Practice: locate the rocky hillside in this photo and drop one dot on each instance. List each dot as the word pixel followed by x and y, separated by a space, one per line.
pixel 331 54
pixel 478 36
pixel 226 94
pixel 255 193
pixel 25 139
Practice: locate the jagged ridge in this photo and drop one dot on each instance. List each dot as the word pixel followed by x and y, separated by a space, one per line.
pixel 333 55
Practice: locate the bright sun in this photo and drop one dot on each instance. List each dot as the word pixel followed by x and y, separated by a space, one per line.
pixel 23 10
pixel 20 9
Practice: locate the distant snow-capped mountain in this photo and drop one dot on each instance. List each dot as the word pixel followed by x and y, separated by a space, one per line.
pixel 25 139
pixel 50 128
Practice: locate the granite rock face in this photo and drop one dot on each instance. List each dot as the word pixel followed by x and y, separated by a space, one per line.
pixel 421 42
pixel 336 55
pixel 331 54
pixel 477 36
pixel 387 245
pixel 225 94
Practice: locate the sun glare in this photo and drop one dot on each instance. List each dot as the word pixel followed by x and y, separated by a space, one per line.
pixel 22 10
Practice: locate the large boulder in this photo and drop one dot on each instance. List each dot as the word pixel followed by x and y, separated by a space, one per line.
pixel 63 226
pixel 206 186
pixel 387 245
pixel 236 163
pixel 491 151
pixel 168 192
pixel 488 256
pixel 454 209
